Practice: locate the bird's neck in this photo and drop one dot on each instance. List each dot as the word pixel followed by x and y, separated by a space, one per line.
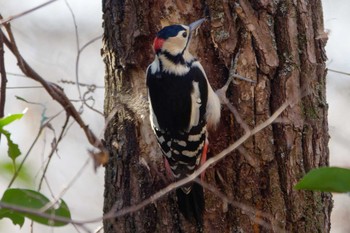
pixel 176 64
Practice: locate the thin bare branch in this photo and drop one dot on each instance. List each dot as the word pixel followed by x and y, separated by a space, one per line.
pixel 65 189
pixel 254 214
pixel 42 126
pixel 11 18
pixel 53 149
pixel 24 87
pixel 35 212
pixel 82 97
pixel 15 74
pixel 79 51
pixel 25 158
pixel 99 230
pixel 77 62
pixel 3 78
pixel 80 84
pixel 222 92
pixel 238 117
pixel 113 213
pixel 89 43
pixel 77 46
pixel 339 72
pixel 85 99
pixel 127 210
pixel 53 90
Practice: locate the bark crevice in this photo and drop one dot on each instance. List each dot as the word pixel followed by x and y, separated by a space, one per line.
pixel 282 48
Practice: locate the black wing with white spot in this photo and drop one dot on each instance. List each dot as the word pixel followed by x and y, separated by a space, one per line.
pixel 178 110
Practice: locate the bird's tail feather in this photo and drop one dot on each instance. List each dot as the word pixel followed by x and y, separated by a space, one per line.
pixel 191 205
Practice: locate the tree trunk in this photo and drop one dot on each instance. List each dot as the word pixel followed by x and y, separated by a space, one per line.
pixel 281 46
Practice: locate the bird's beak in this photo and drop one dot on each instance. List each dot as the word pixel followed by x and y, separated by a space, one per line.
pixel 193 26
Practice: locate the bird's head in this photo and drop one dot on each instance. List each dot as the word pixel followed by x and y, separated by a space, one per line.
pixel 174 39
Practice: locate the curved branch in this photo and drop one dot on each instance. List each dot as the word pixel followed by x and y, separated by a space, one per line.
pixel 55 91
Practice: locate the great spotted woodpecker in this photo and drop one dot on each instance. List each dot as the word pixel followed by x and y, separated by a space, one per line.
pixel 182 106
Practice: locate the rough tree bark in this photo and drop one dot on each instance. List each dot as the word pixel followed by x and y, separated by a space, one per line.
pixel 282 49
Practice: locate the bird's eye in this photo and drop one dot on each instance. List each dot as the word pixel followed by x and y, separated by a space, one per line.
pixel 184 34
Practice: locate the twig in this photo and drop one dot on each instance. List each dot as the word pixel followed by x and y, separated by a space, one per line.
pixel 25 12
pixel 3 78
pixel 15 74
pixel 114 214
pixel 99 229
pixel 222 92
pixel 65 189
pixel 243 78
pixel 79 51
pixel 25 158
pixel 77 47
pixel 26 210
pixel 53 90
pixel 249 211
pixel 24 87
pixel 35 212
pixel 30 149
pixel 127 210
pixel 238 117
pixel 339 72
pixel 80 84
pixel 53 149
pixel 77 62
pixel 89 43
pixel 91 89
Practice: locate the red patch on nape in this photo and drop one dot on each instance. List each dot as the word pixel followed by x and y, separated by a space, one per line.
pixel 157 44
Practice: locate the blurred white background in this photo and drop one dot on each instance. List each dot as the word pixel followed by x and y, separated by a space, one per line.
pixel 46 39
pixel 337 19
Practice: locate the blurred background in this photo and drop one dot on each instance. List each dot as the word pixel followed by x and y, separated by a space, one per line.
pixel 47 40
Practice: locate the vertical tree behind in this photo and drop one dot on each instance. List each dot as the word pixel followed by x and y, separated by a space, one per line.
pixel 281 46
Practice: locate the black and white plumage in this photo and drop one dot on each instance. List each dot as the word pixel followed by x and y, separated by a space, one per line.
pixel 182 106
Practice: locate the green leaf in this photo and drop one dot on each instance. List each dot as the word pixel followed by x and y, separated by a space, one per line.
pixel 326 179
pixel 35 201
pixel 16 219
pixel 13 150
pixel 25 175
pixel 9 119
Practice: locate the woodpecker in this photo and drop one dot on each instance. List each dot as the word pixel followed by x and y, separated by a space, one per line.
pixel 182 107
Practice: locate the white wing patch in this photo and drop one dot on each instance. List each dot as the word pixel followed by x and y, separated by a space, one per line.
pixel 213 110
pixel 152 116
pixel 196 103
pixel 154 66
